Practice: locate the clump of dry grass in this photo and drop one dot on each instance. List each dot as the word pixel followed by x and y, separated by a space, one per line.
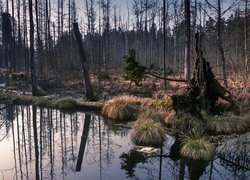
pixel 226 124
pixel 184 122
pixel 244 103
pixel 150 115
pixel 197 148
pixel 127 98
pixel 246 118
pixel 122 108
pixel 148 130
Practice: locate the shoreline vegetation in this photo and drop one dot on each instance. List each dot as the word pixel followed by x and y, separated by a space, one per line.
pixel 153 117
pixel 65 103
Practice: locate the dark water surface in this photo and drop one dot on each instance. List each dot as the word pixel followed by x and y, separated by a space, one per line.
pixel 84 146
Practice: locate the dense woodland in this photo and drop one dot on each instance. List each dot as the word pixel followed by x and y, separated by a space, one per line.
pixel 168 67
pixel 158 33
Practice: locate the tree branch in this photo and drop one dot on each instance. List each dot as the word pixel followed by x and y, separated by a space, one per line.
pixel 208 14
pixel 231 6
pixel 168 79
pixel 209 4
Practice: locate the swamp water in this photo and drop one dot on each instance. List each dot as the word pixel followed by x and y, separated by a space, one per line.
pixel 84 146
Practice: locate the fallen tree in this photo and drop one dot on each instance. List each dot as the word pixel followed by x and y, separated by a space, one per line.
pixel 203 91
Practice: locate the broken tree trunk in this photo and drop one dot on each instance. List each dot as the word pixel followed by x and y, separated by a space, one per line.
pixel 88 87
pixel 204 90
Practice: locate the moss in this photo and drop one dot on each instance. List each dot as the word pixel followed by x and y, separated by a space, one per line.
pixel 44 101
pixel 164 104
pixel 25 100
pixel 65 103
pixel 197 148
pixel 4 96
pixel 100 104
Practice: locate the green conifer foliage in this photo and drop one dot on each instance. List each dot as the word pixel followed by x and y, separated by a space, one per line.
pixel 131 69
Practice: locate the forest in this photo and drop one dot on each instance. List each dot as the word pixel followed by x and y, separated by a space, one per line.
pixel 147 70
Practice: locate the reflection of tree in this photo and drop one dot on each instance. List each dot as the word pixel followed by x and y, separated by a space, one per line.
pixel 101 144
pixel 234 155
pixel 34 110
pixel 58 142
pixel 130 160
pixel 196 168
pixel 6 120
pixel 84 139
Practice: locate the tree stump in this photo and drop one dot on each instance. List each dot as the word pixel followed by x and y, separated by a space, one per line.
pixel 204 89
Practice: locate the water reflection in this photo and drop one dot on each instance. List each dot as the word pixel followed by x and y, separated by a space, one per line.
pixel 48 144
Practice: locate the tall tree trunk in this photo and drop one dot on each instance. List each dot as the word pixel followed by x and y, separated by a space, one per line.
pixel 246 39
pixel 164 44
pixel 19 35
pixel 38 39
pixel 221 50
pixel 13 64
pixel 32 64
pixel 187 40
pixel 25 39
pixel 88 87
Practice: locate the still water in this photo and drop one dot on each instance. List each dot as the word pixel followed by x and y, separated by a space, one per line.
pixel 50 144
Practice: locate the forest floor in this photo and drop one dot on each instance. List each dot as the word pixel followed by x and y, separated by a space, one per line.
pixel 114 85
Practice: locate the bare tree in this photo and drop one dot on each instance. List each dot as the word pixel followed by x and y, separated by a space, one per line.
pixel 219 16
pixel 88 87
pixel 187 40
pixel 164 44
pixel 32 63
pixel 246 40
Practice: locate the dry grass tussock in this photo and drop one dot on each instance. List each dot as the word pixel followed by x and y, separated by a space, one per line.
pixel 148 132
pixel 227 124
pixel 162 106
pixel 122 108
pixel 244 103
pixel 126 99
pixel 149 115
pixel 197 148
pixel 246 118
pixel 148 129
pixel 184 122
